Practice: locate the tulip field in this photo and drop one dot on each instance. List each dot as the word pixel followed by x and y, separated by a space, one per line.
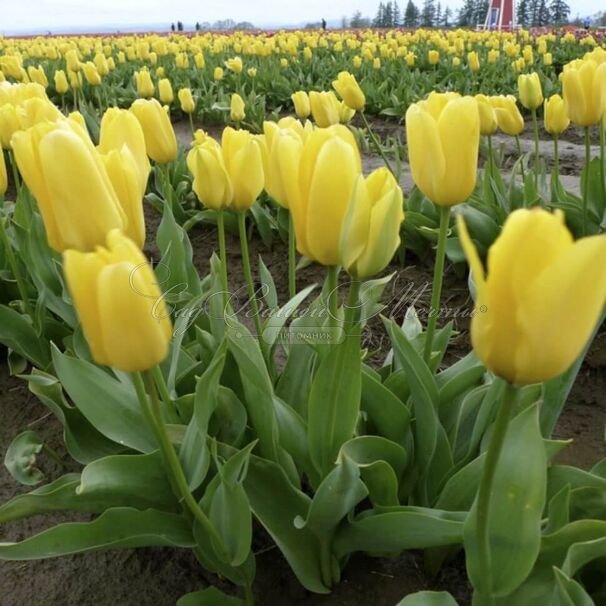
pixel 303 317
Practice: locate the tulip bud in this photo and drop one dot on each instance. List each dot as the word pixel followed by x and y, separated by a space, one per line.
pixel 371 228
pixel 556 115
pixel 584 90
pixel 235 65
pixel 547 59
pixel 61 85
pixel 350 91
pixel 508 115
pixel 120 305
pixel 237 113
pixel 72 62
pixel 529 90
pixel 252 72
pixel 325 108
pixel 243 157
pixel 473 61
pixel 330 165
pixel 160 140
pixel 488 118
pixel 211 182
pixel 443 136
pixel 91 74
pixel 120 127
pixel 357 62
pixel 186 99
pixel 538 279
pixel 145 86
pixel 61 167
pixel 165 91
pixel 218 73
pixel 302 105
pixel 433 57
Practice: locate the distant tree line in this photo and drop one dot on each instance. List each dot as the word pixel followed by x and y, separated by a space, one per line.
pixel 473 12
pixel 223 25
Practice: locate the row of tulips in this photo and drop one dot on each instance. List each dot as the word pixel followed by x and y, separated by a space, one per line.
pixel 171 392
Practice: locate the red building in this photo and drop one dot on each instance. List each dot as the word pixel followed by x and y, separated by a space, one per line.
pixel 501 15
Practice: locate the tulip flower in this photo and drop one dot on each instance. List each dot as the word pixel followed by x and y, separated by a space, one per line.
pixel 556 115
pixel 349 90
pixel 91 74
pixel 473 61
pixel 37 75
pixel 165 91
pixel 330 165
pixel 211 182
pixel 120 127
pixel 120 305
pixel 371 228
pixel 488 118
pixel 160 140
pixel 443 147
pixel 529 90
pixel 61 85
pixel 186 99
pixel 145 85
pixel 234 65
pixel 509 118
pixel 62 168
pixel 218 73
pixel 302 104
pixel 9 124
pixel 584 90
pixel 236 112
pixel 538 278
pixel 433 57
pixel 124 175
pixel 325 108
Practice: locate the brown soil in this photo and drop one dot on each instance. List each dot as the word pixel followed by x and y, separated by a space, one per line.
pixel 159 576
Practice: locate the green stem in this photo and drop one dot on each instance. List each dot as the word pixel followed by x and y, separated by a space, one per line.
pixel 484 492
pixel 191 122
pixel 153 415
pixel 535 123
pixel 222 249
pixel 325 561
pixel 377 143
pixel 556 157
pixel 353 304
pixel 488 171
pixel 586 179
pixel 249 596
pixel 332 282
pixel 14 267
pixel 519 148
pixel 292 259
pixel 171 409
pixel 436 289
pixel 166 185
pixel 248 274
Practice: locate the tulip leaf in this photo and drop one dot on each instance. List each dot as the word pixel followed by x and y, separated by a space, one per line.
pixel 117 528
pixel 428 598
pixel 108 404
pixel 514 518
pixel 296 378
pixel 209 597
pixel 269 292
pixel 571 593
pixel 276 503
pixel 17 333
pixel 20 458
pixel 334 402
pixel 400 528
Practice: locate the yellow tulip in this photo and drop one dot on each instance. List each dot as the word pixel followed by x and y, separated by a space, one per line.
pixel 325 108
pixel 236 108
pixel 235 65
pixel 145 85
pixel 371 228
pixel 120 305
pixel 473 61
pixel 61 85
pixel 541 299
pixel 123 173
pixel 66 175
pixel 75 80
pixel 218 73
pixel 76 116
pixel 3 175
pixel 302 104
pixel 357 62
pixel 252 72
pixel 9 124
pixel 330 165
pixel 160 140
pixel 186 99
pixel 410 59
pixel 433 56
pixel 165 91
pixel 243 158
pixel 349 90
pixel 36 110
pixel 199 60
pixel 529 90
pixel 508 115
pixel 556 115
pixel 488 118
pixel 37 75
pixel 211 182
pixel 91 74
pixel 376 63
pixel 119 127
pixel 547 59
pixel 72 61
pixel 584 90
pixel 443 136
pixel 283 62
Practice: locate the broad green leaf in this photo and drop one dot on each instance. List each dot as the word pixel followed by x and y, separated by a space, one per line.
pixel 18 334
pixel 120 527
pixel 569 592
pixel 209 597
pixel 516 507
pixel 109 405
pixel 20 458
pixel 428 598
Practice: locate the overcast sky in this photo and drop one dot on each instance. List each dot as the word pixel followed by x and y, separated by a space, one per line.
pixel 53 14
